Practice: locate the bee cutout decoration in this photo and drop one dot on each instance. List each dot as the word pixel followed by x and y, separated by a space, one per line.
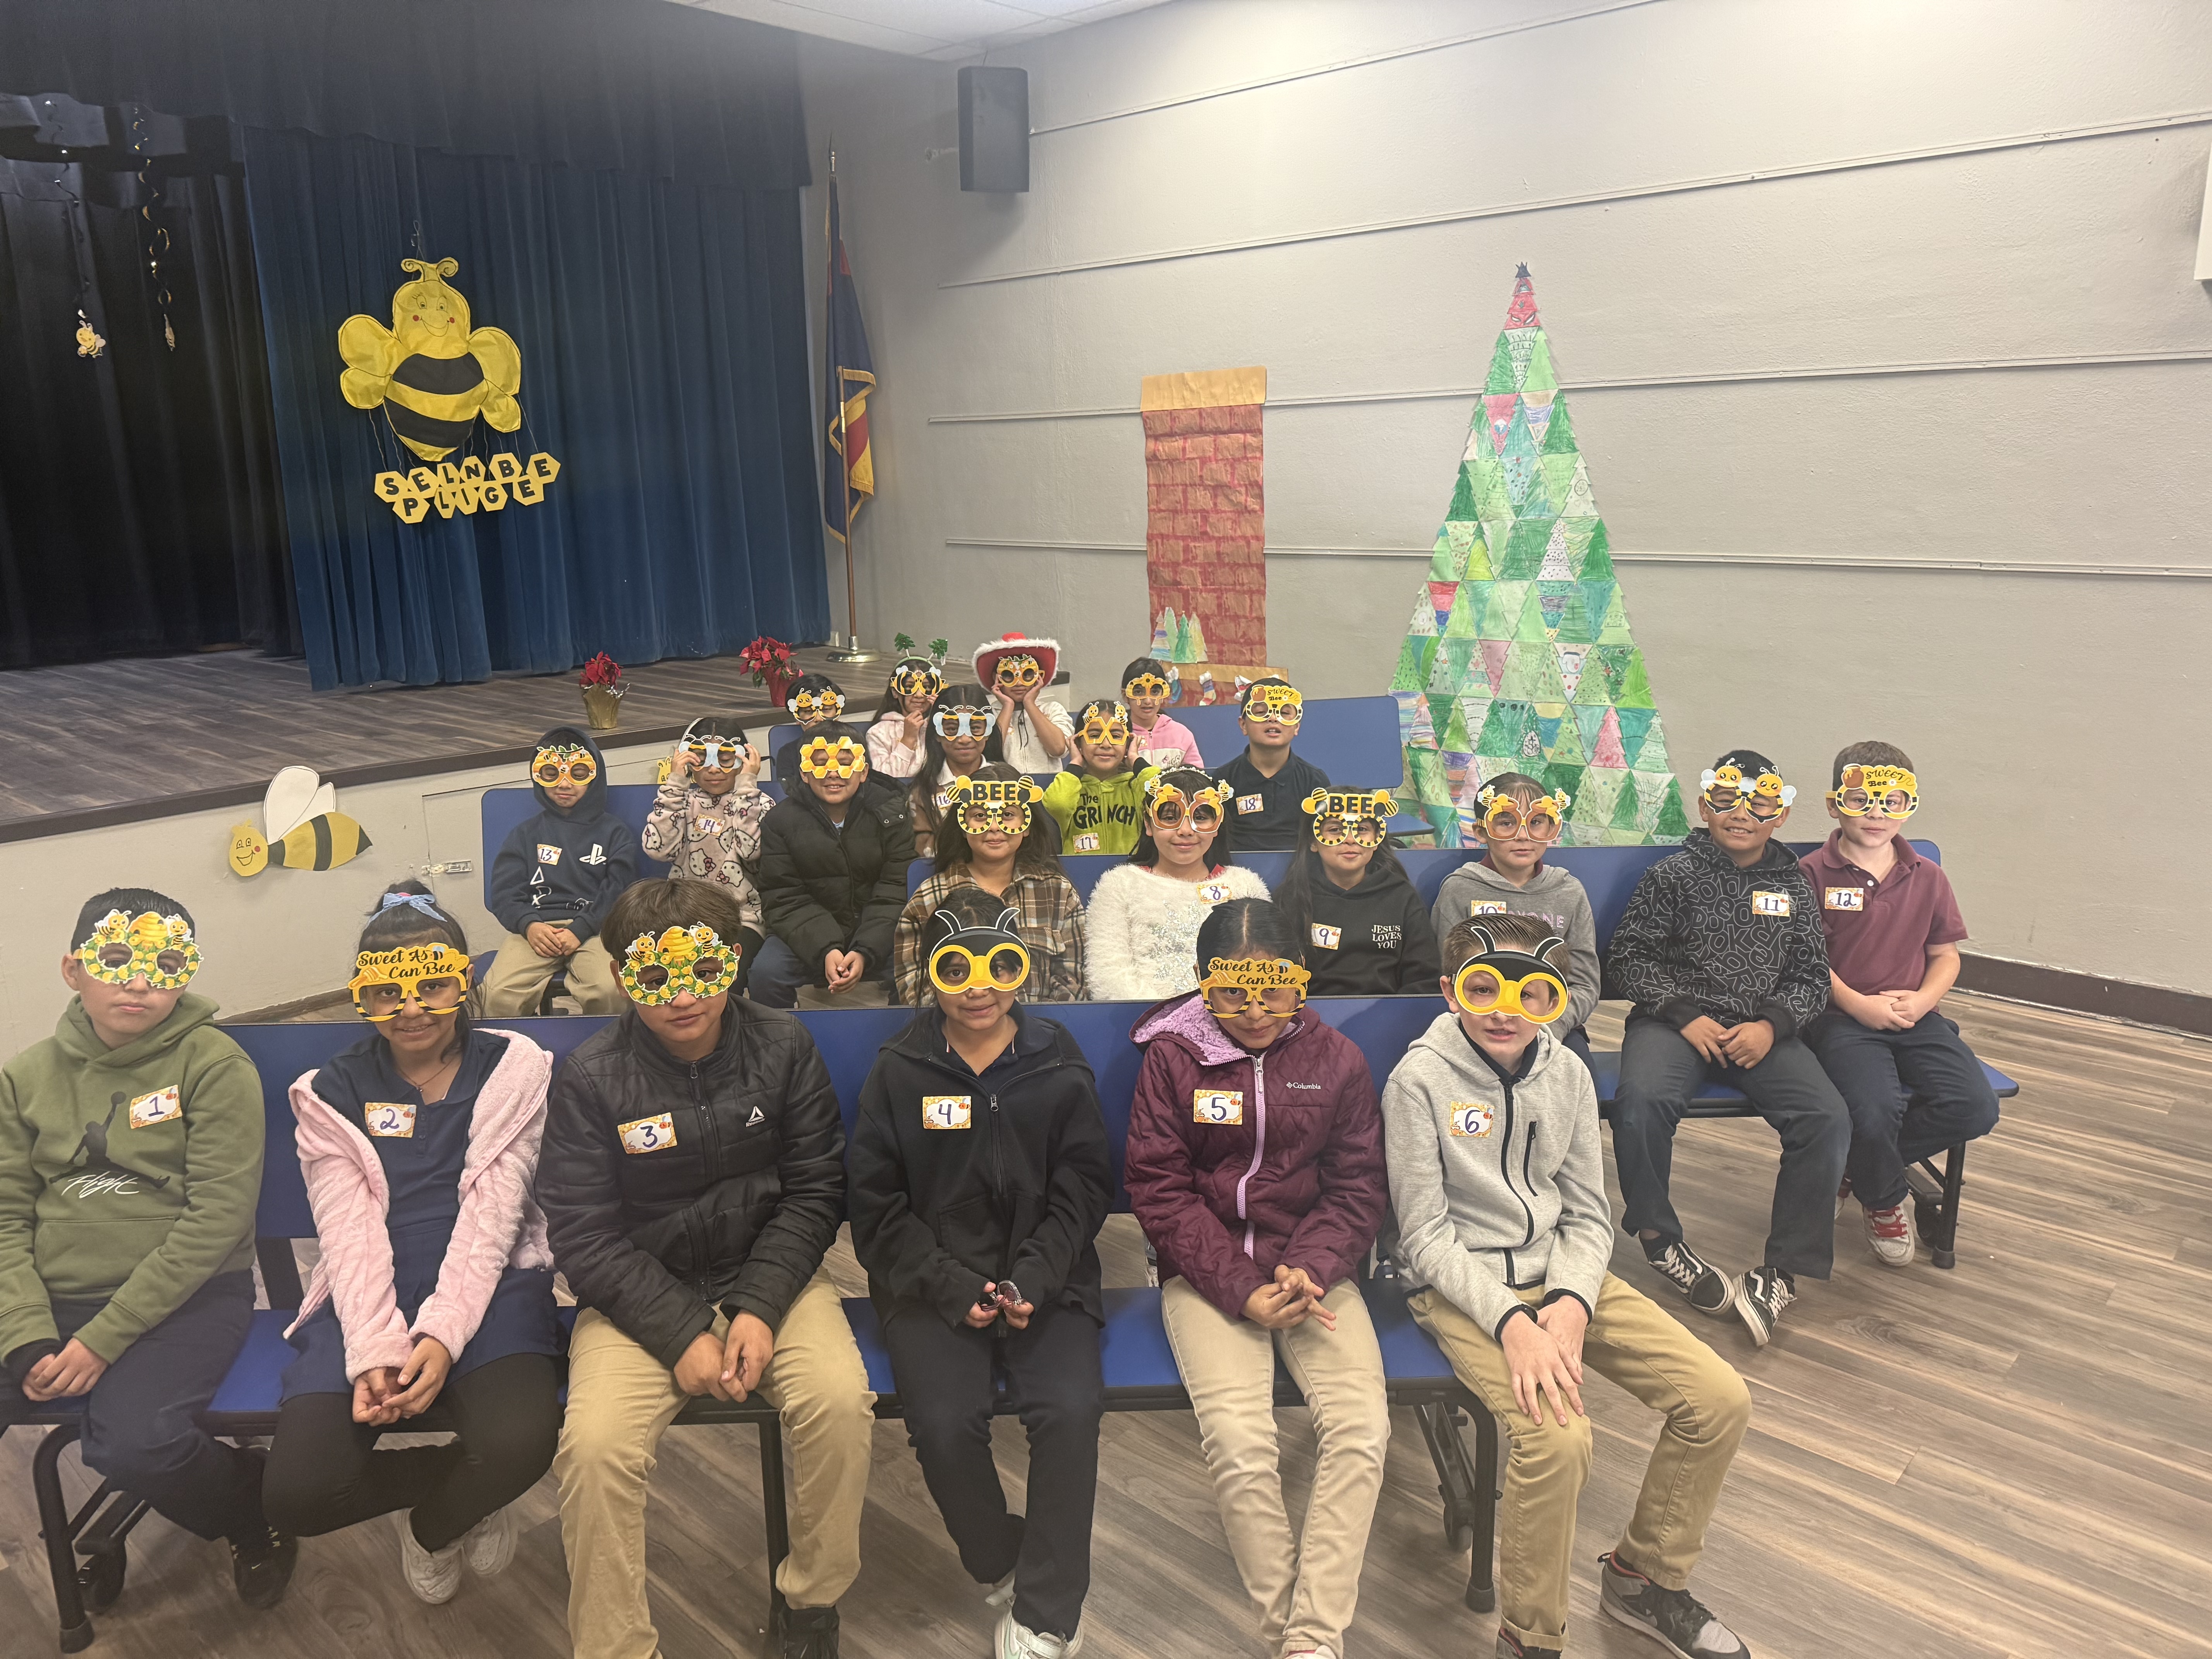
pixel 433 374
pixel 304 829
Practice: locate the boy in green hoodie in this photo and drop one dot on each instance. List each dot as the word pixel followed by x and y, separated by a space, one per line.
pixel 129 1167
pixel 1100 805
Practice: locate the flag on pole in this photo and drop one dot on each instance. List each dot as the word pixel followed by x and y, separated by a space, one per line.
pixel 848 472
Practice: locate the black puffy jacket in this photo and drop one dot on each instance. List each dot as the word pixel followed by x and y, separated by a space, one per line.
pixel 825 889
pixel 1019 1192
pixel 736 1211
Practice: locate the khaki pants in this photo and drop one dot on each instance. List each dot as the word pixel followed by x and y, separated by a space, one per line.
pixel 621 1401
pixel 517 976
pixel 1306 1589
pixel 1645 1350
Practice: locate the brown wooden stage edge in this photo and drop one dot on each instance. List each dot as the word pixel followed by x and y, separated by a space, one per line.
pixel 93 744
pixel 2011 1459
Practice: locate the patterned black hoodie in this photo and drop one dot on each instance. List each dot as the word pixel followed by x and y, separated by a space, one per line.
pixel 1701 936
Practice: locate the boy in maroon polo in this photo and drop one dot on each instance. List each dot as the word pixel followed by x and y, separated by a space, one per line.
pixel 1892 928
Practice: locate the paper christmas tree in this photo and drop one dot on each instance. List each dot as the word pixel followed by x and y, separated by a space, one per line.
pixel 1518 657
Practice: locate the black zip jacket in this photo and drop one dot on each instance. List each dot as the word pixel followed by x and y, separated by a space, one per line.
pixel 1376 940
pixel 735 1212
pixel 1701 937
pixel 826 889
pixel 1019 1193
pixel 564 866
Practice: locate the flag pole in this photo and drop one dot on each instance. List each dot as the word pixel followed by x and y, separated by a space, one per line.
pixel 851 651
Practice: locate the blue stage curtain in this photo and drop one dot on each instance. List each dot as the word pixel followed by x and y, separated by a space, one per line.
pixel 662 328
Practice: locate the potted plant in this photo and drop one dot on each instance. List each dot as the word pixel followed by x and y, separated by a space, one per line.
pixel 603 688
pixel 769 661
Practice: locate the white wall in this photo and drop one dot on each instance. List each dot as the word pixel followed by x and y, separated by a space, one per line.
pixel 2057 719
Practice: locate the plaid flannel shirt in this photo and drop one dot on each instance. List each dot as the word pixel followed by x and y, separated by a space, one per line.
pixel 1051 924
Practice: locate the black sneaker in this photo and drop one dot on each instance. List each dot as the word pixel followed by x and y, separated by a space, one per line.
pixel 1510 1647
pixel 1676 1620
pixel 802 1633
pixel 261 1570
pixel 1707 1288
pixel 1766 1291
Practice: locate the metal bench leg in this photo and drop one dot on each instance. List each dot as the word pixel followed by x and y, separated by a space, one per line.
pixel 1481 1594
pixel 1954 1181
pixel 54 1526
pixel 776 1516
pixel 1468 1493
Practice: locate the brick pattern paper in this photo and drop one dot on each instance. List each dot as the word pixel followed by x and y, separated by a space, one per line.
pixel 1518 657
pixel 1205 536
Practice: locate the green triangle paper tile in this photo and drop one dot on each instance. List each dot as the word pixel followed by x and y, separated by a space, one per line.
pixel 1426 772
pixel 1672 824
pixel 1521 678
pixel 1444 563
pixel 1573 627
pixel 1651 751
pixel 1558 566
pixel 1626 809
pixel 1520 345
pixel 1422 624
pixel 1477 569
pixel 1559 472
pixel 1466 622
pixel 1519 440
pixel 1566 747
pixel 1463 501
pixel 1560 430
pixel 1539 377
pixel 1530 628
pixel 1414 726
pixel 1461 535
pixel 1448 670
pixel 1635 690
pixel 1494 502
pixel 1503 733
pixel 1520 475
pixel 1556 775
pixel 1503 376
pixel 1501 609
pixel 1594 801
pixel 1577 498
pixel 1613 630
pixel 1455 735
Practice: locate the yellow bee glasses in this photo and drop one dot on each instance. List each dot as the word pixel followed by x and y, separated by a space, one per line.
pixel 1018 673
pixel 820 758
pixel 435 975
pixel 715 754
pixel 1889 790
pixel 1105 722
pixel 1504 817
pixel 1514 981
pixel 1725 788
pixel 1269 985
pixel 916 678
pixel 1168 804
pixel 963 721
pixel 1145 685
pixel 682 959
pixel 565 764
pixel 159 948
pixel 953 968
pixel 808 707
pixel 1358 816
pixel 1281 704
pixel 982 805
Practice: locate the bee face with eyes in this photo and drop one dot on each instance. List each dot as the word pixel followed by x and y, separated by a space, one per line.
pixel 811 707
pixel 1166 805
pixel 1726 787
pixel 963 721
pixel 916 676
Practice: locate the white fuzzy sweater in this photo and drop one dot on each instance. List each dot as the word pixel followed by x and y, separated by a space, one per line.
pixel 1142 929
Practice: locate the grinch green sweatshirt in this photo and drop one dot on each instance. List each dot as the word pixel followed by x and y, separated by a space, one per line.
pixel 130 1174
pixel 1098 815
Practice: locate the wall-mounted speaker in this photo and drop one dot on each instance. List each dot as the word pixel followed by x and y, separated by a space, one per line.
pixel 994 129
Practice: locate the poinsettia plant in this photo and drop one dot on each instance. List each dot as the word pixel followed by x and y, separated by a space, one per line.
pixel 603 672
pixel 763 655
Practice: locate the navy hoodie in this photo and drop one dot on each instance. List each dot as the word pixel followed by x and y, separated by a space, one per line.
pixel 564 865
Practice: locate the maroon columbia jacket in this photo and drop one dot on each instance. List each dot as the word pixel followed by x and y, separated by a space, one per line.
pixel 1237 1162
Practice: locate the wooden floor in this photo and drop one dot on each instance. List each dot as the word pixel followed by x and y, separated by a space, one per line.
pixel 232 718
pixel 2012 1458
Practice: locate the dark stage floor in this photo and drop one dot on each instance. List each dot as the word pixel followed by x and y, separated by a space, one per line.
pixel 93 743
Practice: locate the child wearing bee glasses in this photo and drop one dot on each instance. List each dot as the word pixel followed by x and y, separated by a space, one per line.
pixel 706 819
pixel 1255 1163
pixel 1160 738
pixel 994 838
pixel 832 875
pixel 1268 780
pixel 1892 928
pixel 431 1308
pixel 1099 804
pixel 1143 922
pixel 1518 820
pixel 962 735
pixel 1721 950
pixel 897 739
pixel 554 878
pixel 1017 670
pixel 1364 929
pixel 131 1146
pixel 1498 1181
pixel 693 1179
pixel 980 1177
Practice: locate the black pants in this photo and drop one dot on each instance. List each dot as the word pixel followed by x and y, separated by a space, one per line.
pixel 325 1473
pixel 1659 1074
pixel 944 1378
pixel 1911 1094
pixel 142 1428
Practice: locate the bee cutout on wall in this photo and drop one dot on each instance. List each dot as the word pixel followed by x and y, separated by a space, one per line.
pixel 433 374
pixel 304 829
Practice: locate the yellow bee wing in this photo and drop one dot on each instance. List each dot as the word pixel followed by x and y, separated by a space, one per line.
pixel 371 354
pixel 502 359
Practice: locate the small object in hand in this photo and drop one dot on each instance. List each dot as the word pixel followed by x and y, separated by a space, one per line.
pixel 1001 1296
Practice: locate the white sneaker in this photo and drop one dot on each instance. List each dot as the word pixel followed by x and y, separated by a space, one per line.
pixel 1016 1640
pixel 1891 1234
pixel 488 1546
pixel 433 1575
pixel 1002 1593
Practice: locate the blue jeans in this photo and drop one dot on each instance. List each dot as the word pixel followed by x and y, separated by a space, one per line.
pixel 1911 1094
pixel 778 973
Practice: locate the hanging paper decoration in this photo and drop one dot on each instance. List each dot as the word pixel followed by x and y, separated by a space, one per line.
pixel 433 374
pixel 304 829
pixel 89 344
pixel 1518 657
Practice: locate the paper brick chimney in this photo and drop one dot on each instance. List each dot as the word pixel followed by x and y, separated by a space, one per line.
pixel 1206 533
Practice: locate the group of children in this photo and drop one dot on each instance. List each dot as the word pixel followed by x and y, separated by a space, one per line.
pixel 686 1169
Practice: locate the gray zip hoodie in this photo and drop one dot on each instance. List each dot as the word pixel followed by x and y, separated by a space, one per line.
pixel 1475 889
pixel 1499 1184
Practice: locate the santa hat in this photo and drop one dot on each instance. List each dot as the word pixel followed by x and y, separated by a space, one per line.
pixel 1047 652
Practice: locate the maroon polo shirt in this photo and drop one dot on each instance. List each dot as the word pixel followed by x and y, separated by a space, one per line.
pixel 1880 933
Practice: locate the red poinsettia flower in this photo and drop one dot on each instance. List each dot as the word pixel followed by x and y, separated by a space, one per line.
pixel 602 671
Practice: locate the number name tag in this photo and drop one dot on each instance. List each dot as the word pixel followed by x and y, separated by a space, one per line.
pixel 1486 907
pixel 1213 892
pixel 647 1134
pixel 1767 902
pixel 1251 802
pixel 1216 1106
pixel 1327 938
pixel 548 854
pixel 1086 843
pixel 389 1120
pixel 157 1108
pixel 709 827
pixel 1845 898
pixel 947 1111
pixel 1470 1120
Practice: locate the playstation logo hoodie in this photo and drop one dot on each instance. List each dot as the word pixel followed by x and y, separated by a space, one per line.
pixel 564 866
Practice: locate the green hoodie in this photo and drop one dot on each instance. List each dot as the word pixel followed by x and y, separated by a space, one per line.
pixel 1098 815
pixel 166 1205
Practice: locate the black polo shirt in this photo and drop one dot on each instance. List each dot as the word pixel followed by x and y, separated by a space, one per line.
pixel 1264 811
